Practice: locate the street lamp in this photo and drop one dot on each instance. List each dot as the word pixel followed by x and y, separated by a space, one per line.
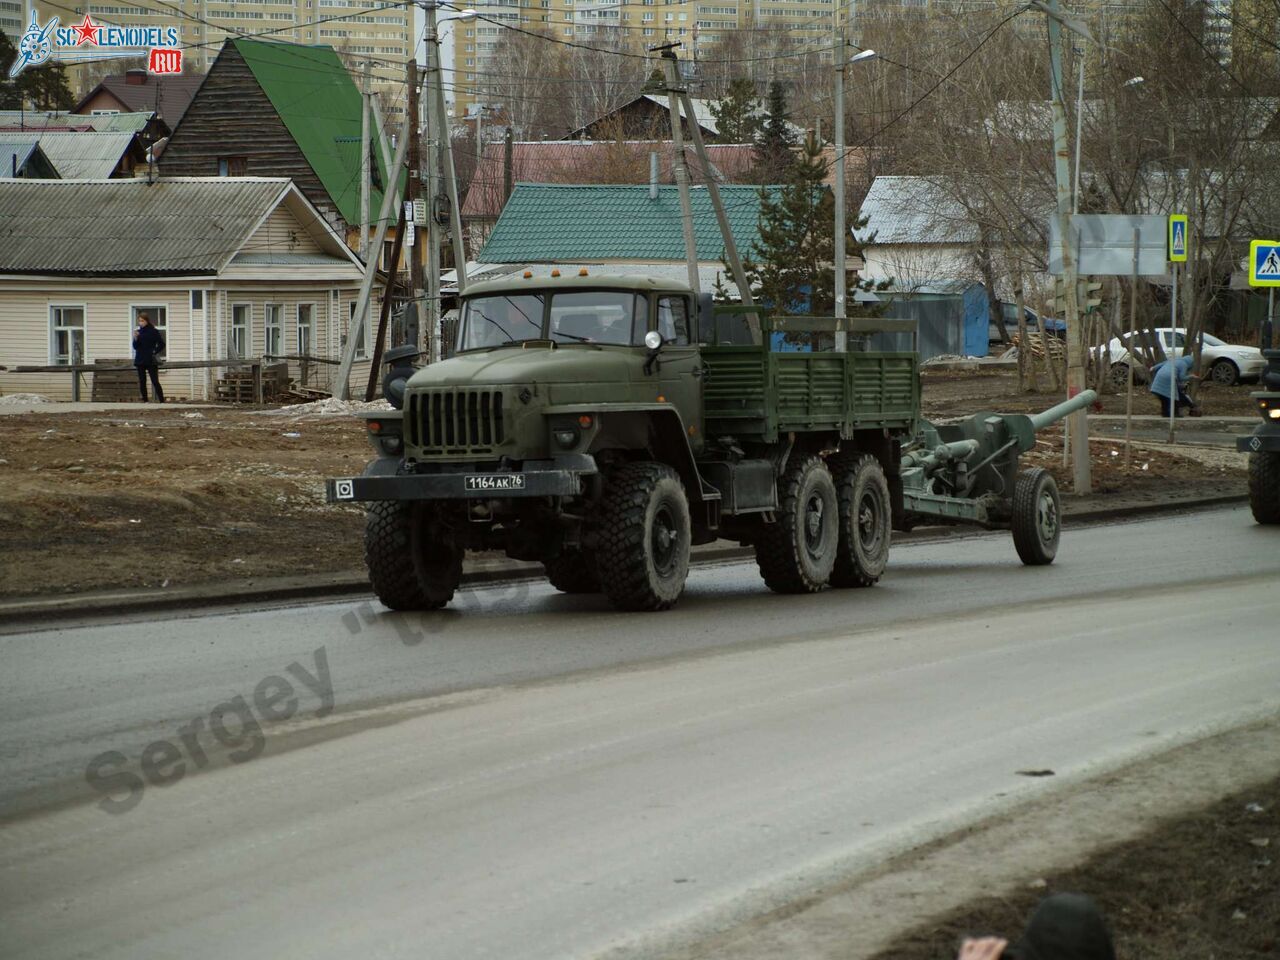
pixel 840 280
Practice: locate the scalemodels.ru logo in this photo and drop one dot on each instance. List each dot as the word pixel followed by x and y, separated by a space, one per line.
pixel 96 41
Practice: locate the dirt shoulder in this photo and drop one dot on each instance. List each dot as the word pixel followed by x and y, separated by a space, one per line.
pixel 89 501
pixel 170 496
pixel 1180 851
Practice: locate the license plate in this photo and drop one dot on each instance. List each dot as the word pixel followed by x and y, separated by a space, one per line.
pixel 495 481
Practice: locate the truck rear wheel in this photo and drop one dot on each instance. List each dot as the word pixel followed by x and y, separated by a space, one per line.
pixel 1264 486
pixel 797 552
pixel 408 567
pixel 643 537
pixel 1037 517
pixel 573 571
pixel 866 521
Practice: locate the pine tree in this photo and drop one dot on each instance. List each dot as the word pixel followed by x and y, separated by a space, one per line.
pixel 791 262
pixel 44 86
pixel 737 113
pixel 791 267
pixel 775 144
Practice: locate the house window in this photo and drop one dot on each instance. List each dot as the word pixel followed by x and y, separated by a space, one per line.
pixel 241 330
pixel 273 329
pixel 197 299
pixel 673 319
pixel 232 166
pixel 306 328
pixel 159 317
pixel 362 346
pixel 388 264
pixel 66 334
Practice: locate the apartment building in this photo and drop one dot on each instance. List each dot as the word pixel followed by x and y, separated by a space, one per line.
pixel 629 24
pixel 367 29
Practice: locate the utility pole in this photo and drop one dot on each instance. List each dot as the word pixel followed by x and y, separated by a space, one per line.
pixel 365 149
pixel 1078 423
pixel 450 176
pixel 681 169
pixel 413 184
pixel 433 225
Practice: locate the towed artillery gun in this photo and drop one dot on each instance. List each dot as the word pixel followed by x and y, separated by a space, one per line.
pixel 605 425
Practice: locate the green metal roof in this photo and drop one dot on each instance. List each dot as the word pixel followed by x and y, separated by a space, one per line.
pixel 320 105
pixel 548 223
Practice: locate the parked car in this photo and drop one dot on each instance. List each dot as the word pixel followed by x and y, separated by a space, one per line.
pixel 1223 363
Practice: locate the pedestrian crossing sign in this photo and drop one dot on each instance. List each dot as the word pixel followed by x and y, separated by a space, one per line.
pixel 1264 263
pixel 1178 238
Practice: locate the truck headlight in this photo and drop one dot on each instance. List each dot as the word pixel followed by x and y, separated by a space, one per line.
pixel 1269 407
pixel 567 438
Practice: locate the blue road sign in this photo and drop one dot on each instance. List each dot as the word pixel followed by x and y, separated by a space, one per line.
pixel 1264 263
pixel 1178 238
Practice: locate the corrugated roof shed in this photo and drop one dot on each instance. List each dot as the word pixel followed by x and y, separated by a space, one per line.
pixel 87 156
pixel 23 158
pixel 182 226
pixel 914 210
pixel 320 105
pixel 60 120
pixel 544 223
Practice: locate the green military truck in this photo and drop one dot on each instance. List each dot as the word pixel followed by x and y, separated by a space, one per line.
pixel 604 425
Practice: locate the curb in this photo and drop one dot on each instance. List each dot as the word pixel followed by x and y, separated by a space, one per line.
pixel 336 586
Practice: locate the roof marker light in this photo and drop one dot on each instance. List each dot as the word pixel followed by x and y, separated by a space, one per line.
pixel 555 273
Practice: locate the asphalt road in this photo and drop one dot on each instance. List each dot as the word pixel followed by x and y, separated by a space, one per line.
pixel 537 776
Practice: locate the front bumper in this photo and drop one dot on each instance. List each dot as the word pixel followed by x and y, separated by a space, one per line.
pixel 1264 439
pixel 545 478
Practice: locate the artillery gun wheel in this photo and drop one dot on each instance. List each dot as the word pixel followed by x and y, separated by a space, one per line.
pixel 866 521
pixel 408 567
pixel 1264 486
pixel 573 571
pixel 643 537
pixel 1037 517
pixel 797 552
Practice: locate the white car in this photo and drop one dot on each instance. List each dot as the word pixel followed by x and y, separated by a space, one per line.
pixel 1223 363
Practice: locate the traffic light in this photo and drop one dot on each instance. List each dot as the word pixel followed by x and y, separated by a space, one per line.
pixel 1088 295
pixel 1059 303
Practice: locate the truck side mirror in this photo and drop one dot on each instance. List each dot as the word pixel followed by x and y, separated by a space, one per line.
pixel 706 318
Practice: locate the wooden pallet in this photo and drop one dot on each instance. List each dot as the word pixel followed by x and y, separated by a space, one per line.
pixel 114 386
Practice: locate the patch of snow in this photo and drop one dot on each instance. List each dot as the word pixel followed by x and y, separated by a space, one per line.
pixel 23 398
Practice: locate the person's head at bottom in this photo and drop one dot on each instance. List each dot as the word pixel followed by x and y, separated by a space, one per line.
pixel 1065 926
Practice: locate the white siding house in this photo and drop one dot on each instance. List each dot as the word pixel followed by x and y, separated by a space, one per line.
pixel 229 268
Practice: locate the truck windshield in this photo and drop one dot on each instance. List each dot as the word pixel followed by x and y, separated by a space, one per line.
pixel 589 316
pixel 597 316
pixel 493 321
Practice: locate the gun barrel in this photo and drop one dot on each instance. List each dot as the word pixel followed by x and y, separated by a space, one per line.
pixel 1081 400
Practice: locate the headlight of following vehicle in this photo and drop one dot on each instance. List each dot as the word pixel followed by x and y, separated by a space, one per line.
pixel 1269 407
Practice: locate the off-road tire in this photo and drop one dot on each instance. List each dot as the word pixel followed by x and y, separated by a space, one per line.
pixel 1037 517
pixel 1264 486
pixel 406 569
pixel 797 552
pixel 1224 373
pixel 866 521
pixel 573 572
pixel 643 535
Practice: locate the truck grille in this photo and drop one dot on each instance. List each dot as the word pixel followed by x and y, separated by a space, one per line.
pixel 455 421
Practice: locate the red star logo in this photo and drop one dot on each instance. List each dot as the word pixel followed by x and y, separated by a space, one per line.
pixel 87 32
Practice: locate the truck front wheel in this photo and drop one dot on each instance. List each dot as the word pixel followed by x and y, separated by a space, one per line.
pixel 411 567
pixel 1264 486
pixel 866 521
pixel 797 552
pixel 643 537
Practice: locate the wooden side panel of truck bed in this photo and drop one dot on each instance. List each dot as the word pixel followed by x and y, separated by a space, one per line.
pixel 753 392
